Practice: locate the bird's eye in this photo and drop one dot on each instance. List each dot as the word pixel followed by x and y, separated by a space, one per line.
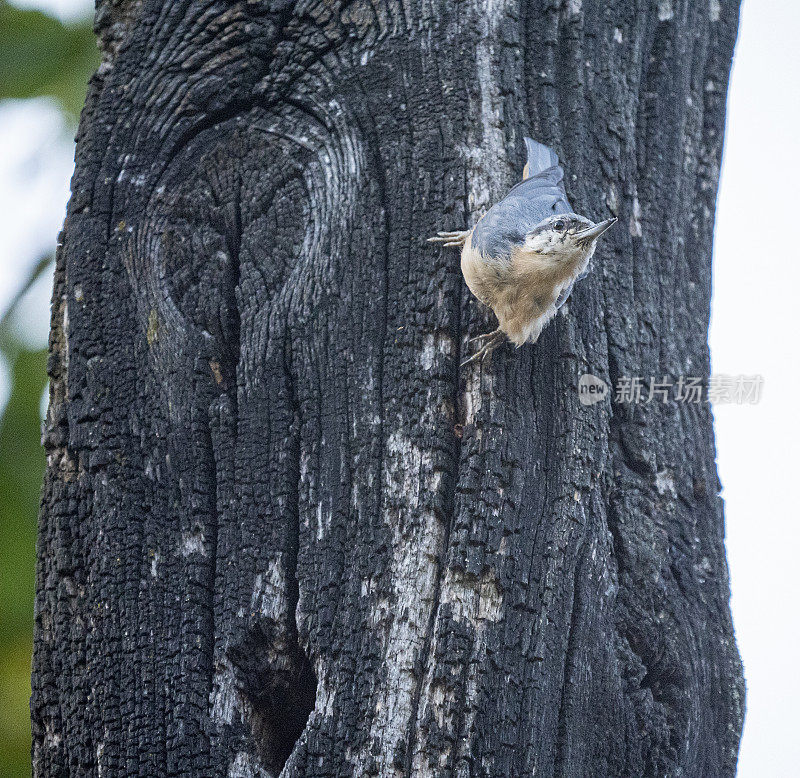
pixel 559 225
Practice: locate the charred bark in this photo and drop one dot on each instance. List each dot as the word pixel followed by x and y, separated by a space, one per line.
pixel 281 531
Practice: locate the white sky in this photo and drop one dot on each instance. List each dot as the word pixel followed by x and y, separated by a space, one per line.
pixel 66 10
pixel 755 320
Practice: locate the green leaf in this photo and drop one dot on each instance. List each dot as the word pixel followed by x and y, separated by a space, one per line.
pixel 40 55
pixel 22 463
pixel 21 470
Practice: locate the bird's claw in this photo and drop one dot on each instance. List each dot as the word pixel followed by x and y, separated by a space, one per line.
pixel 456 239
pixel 485 350
pixel 478 338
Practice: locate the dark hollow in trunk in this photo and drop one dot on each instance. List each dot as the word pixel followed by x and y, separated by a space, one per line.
pixel 281 530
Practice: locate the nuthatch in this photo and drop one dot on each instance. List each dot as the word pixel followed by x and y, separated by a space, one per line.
pixel 524 255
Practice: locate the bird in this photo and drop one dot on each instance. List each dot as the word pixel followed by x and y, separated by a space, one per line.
pixel 526 252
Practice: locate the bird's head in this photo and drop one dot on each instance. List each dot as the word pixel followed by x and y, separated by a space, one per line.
pixel 565 238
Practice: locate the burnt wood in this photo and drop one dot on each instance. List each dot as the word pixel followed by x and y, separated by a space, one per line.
pixel 281 531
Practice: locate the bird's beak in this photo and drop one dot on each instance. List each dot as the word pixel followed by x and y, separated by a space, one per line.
pixel 595 231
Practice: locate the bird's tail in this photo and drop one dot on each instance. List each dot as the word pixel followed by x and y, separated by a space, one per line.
pixel 540 158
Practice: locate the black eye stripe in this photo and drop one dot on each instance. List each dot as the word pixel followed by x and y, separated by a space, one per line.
pixel 563 226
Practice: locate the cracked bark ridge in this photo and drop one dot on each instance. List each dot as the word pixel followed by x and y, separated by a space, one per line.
pixel 281 533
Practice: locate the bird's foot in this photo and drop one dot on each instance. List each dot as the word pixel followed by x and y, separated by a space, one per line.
pixel 456 239
pixel 478 338
pixel 486 349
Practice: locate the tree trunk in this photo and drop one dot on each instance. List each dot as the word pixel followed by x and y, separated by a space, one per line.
pixel 282 531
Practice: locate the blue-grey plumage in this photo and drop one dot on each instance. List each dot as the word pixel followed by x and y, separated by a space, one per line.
pixel 524 255
pixel 540 194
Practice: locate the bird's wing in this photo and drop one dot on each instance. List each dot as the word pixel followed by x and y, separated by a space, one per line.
pixel 564 295
pixel 567 290
pixel 539 195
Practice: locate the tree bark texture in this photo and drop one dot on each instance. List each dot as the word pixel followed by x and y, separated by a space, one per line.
pixel 282 531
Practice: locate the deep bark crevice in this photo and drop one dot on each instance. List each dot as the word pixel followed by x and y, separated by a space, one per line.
pixel 276 713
